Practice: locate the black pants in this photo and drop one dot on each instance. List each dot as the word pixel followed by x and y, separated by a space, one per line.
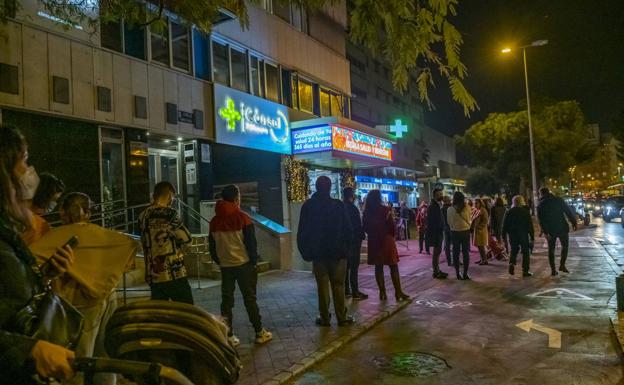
pixel 435 240
pixel 178 290
pixel 330 273
pixel 422 240
pixel 353 264
pixel 247 278
pixel 522 245
pixel 461 243
pixel 447 246
pixel 552 243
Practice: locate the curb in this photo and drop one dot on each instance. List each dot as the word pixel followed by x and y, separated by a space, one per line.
pixel 618 330
pixel 325 351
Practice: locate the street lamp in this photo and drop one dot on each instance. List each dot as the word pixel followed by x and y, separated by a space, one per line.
pixel 537 43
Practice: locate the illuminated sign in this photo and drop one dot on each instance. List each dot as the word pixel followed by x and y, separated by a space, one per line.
pixel 312 140
pixel 248 121
pixel 386 181
pixel 355 142
pixel 398 128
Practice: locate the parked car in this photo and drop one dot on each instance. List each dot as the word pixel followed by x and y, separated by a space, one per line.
pixel 594 206
pixel 613 207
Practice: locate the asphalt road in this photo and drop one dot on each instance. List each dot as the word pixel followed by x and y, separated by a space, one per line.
pixel 474 332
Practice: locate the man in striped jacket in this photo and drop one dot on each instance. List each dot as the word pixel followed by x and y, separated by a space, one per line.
pixel 233 247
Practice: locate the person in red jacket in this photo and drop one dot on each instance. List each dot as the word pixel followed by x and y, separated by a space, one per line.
pixel 421 223
pixel 233 246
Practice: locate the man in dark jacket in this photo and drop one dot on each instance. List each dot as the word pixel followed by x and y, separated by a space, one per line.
pixel 435 231
pixel 552 213
pixel 447 230
pixel 357 236
pixel 518 228
pixel 323 237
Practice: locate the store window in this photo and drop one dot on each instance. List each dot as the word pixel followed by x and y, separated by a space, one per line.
pixel 180 46
pixel 325 103
pixel 201 54
pixel 336 104
pixel 256 72
pixel 306 96
pixel 160 45
pixel 239 69
pixel 221 63
pixel 272 82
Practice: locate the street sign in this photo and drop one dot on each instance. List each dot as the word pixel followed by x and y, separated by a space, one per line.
pixel 561 293
pixel 554 336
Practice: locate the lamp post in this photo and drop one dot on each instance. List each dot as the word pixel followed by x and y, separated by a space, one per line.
pixel 537 43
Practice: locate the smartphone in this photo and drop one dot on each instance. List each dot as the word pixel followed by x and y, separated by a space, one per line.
pixel 45 268
pixel 71 242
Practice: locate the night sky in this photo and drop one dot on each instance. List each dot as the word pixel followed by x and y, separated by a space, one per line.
pixel 584 59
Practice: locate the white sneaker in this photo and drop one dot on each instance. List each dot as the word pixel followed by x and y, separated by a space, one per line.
pixel 234 341
pixel 263 336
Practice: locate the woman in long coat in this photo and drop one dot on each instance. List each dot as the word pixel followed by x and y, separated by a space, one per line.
pixel 481 235
pixel 378 222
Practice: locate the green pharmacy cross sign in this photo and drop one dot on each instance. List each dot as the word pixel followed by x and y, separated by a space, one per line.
pixel 230 114
pixel 398 128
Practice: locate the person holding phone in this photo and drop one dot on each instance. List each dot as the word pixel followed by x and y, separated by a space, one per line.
pixel 22 357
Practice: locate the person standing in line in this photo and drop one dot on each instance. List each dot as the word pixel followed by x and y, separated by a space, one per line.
pixel 421 223
pixel 48 192
pixel 357 236
pixel 447 230
pixel 518 229
pixel 435 232
pixel 162 236
pixel 233 246
pixel 481 235
pixel 323 237
pixel 552 212
pixel 378 222
pixel 496 218
pixel 405 218
pixel 458 218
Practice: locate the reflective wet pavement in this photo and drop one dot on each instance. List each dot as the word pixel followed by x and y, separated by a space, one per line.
pixel 476 332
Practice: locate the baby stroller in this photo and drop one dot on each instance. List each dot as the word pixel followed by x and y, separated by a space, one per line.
pixel 173 335
pixel 496 249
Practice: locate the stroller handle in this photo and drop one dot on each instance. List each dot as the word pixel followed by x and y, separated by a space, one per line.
pixel 149 371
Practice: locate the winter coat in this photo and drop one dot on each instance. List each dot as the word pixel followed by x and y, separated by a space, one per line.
pixel 232 238
pixel 18 283
pixel 481 228
pixel 357 231
pixel 458 221
pixel 518 224
pixel 435 221
pixel 552 213
pixel 381 231
pixel 324 231
pixel 496 219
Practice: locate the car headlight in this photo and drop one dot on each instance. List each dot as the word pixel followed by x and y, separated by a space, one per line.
pixel 609 208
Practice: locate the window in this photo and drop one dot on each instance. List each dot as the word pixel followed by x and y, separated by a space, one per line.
pixel 282 11
pixel 180 46
pixel 294 91
pixel 201 53
pixel 256 72
pixel 272 82
pixel 359 93
pixel 325 103
pixel 221 63
pixel 336 104
pixel 160 45
pixel 134 41
pixel 122 37
pixel 239 69
pixel 299 18
pixel 306 96
pixel 110 35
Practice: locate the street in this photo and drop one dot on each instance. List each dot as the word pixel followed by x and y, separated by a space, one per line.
pixel 497 329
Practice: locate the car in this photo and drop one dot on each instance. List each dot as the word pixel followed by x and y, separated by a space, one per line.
pixel 612 208
pixel 594 206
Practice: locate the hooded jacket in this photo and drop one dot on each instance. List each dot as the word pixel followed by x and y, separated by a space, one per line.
pixel 232 238
pixel 552 212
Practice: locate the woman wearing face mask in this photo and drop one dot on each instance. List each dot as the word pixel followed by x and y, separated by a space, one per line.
pixel 48 189
pixel 21 356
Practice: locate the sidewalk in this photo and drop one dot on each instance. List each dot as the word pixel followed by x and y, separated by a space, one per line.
pixel 616 252
pixel 288 304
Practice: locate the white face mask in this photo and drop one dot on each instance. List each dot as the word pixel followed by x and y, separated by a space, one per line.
pixel 30 182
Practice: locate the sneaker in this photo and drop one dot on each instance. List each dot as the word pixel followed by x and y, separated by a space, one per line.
pixel 349 320
pixel 360 296
pixel 527 274
pixel 263 336
pixel 233 340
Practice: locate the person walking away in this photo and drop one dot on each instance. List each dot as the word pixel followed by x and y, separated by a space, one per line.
pixel 357 236
pixel 421 224
pixel 22 356
pixel 518 230
pixel 378 222
pixel 162 236
pixel 447 230
pixel 233 246
pixel 323 237
pixel 101 258
pixel 405 216
pixel 481 235
pixel 435 232
pixel 496 218
pixel 458 217
pixel 552 213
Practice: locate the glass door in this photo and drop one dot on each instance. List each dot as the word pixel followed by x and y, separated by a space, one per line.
pixel 164 166
pixel 112 177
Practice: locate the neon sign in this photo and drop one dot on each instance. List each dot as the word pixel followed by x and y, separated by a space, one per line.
pixel 355 142
pixel 398 128
pixel 247 121
pixel 312 139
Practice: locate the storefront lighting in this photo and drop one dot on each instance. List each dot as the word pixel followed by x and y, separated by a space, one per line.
pixel 180 138
pixel 167 141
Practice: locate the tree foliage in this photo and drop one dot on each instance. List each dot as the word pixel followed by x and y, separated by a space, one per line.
pixel 482 182
pixel 501 142
pixel 617 130
pixel 414 36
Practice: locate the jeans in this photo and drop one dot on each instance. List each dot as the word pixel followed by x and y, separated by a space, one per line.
pixel 422 239
pixel 247 278
pixel 461 243
pixel 522 245
pixel 353 264
pixel 178 290
pixel 552 243
pixel 331 273
pixel 447 246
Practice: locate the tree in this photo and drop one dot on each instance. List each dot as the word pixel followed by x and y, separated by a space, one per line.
pixel 482 182
pixel 501 142
pixel 617 130
pixel 413 35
